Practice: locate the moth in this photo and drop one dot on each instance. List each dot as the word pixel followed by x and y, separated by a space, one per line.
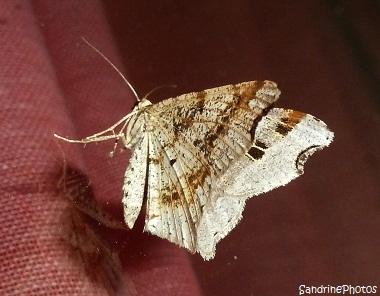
pixel 198 157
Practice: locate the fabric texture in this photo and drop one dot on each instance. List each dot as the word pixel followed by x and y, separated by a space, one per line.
pixel 52 82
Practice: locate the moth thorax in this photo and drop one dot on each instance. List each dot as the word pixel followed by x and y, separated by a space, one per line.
pixel 136 124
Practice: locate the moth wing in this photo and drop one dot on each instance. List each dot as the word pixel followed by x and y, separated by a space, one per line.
pixel 193 140
pixel 284 139
pixel 173 204
pixel 134 181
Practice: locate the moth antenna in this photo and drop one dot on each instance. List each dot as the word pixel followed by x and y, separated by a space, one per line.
pixel 113 66
pixel 158 87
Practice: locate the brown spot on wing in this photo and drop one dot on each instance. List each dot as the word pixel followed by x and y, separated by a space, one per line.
pixel 289 122
pixel 170 196
pixel 152 160
pixel 255 152
pixel 173 195
pixel 180 127
pixel 201 95
pixel 197 142
pixel 293 118
pixel 261 144
pixel 283 129
pixel 249 90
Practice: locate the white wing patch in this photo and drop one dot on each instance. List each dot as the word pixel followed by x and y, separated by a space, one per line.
pixel 284 139
pixel 198 157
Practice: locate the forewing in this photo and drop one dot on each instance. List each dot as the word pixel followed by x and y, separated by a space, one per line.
pixel 173 206
pixel 193 140
pixel 284 139
pixel 216 124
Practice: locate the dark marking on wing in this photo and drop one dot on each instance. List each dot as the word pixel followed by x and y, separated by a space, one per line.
pixel 197 142
pixel 261 144
pixel 303 156
pixel 283 129
pixel 201 103
pixel 180 126
pixel 152 161
pixel 257 120
pixel 256 153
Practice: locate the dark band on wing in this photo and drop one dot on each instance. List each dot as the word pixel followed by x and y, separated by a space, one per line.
pixel 255 152
pixel 283 129
pixel 287 123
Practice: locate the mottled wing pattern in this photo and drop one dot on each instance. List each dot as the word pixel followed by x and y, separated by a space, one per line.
pixel 135 180
pixel 283 141
pixel 188 143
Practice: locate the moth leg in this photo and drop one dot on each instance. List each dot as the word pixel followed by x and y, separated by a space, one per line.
pixel 98 137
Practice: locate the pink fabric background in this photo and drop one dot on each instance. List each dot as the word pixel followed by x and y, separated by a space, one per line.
pixel 323 228
pixel 51 82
